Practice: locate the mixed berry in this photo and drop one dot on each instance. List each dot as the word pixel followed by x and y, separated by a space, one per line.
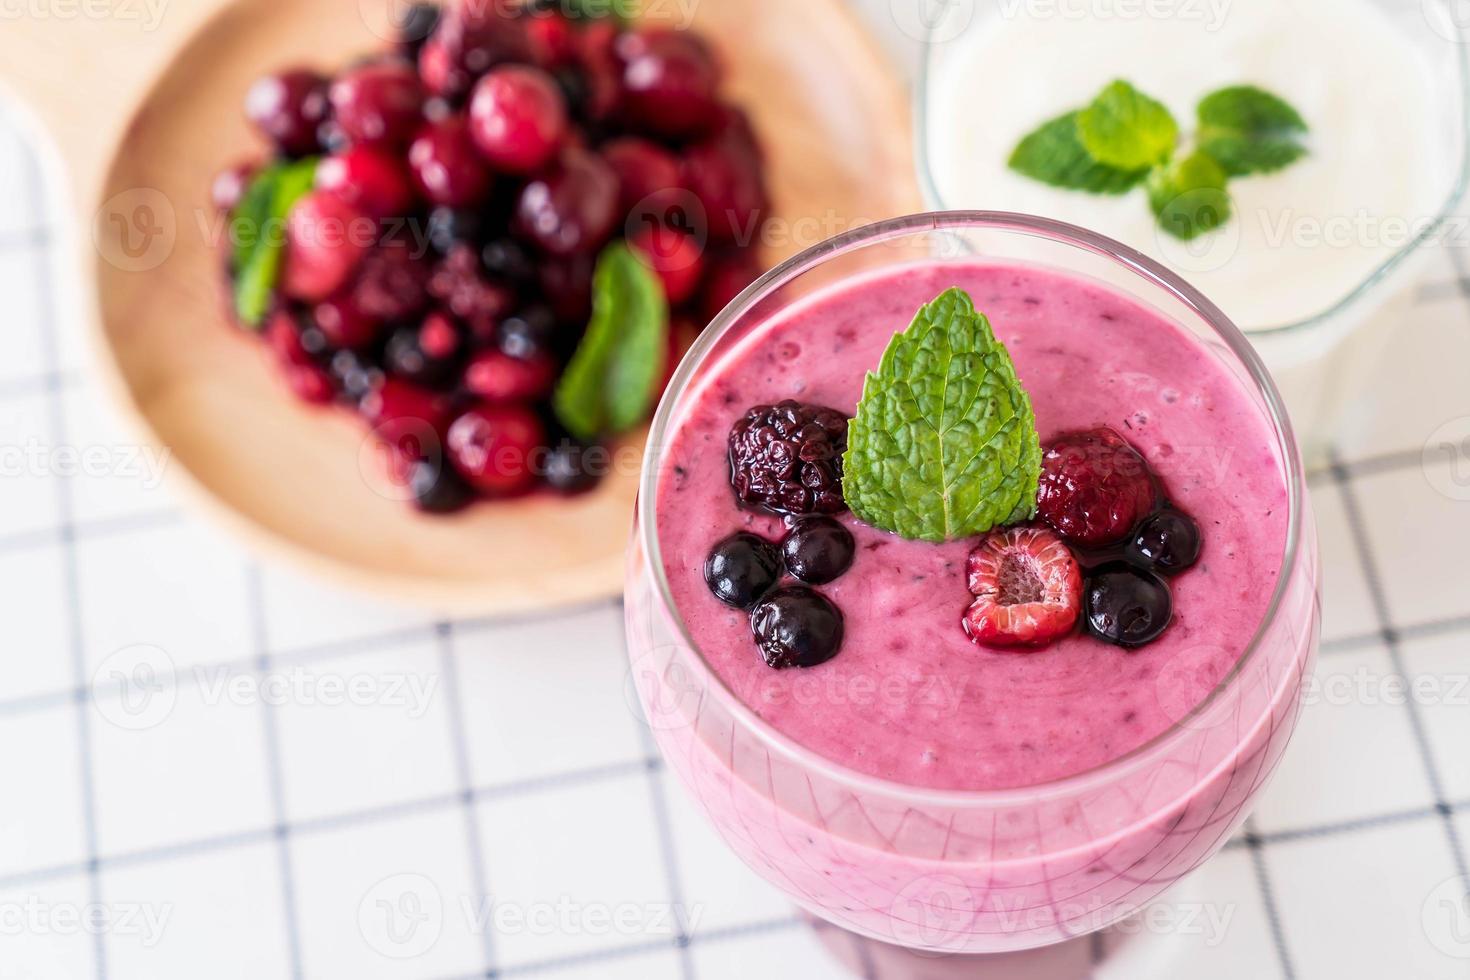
pixel 1099 554
pixel 437 271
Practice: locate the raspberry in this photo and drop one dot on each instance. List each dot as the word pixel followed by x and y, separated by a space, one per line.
pixel 1095 487
pixel 787 458
pixel 1027 588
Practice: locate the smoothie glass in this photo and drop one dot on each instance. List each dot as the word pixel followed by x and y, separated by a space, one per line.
pixel 982 872
pixel 1319 361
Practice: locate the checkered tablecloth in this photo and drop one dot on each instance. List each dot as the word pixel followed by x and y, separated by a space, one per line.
pixel 211 768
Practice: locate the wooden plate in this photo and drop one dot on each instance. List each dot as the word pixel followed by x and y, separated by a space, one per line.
pixel 144 115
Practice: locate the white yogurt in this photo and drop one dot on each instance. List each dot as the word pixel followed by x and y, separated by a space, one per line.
pixel 1303 238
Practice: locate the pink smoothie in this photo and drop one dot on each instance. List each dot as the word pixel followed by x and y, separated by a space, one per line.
pixel 910 698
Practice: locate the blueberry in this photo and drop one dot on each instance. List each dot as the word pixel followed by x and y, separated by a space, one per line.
pixel 572 468
pixel 406 358
pixel 530 332
pixel 797 627
pixel 437 488
pixel 1168 542
pixel 448 227
pixel 741 569
pixel 508 259
pixel 416 25
pixel 1127 607
pixel 818 550
pixel 354 375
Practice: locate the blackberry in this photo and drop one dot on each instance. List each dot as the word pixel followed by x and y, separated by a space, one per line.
pixel 787 459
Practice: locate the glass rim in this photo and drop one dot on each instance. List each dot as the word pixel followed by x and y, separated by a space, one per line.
pixel 933 221
pixel 929 189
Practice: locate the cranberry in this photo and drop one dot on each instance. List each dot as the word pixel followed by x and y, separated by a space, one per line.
pixel 677 258
pixel 729 274
pixel 393 282
pixel 552 38
pixel 407 417
pixel 1095 487
pixel 446 167
pixel 460 284
pixel 518 118
pixel 472 38
pixel 602 70
pixel 369 179
pixel 644 169
pixel 573 209
pixel 1027 588
pixel 493 446
pixel 288 108
pixel 230 185
pixel 326 239
pixel 726 178
pixel 381 102
pixel 496 376
pixel 344 324
pixel 669 83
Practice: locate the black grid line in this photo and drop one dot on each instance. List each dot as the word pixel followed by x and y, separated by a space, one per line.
pixel 76 636
pixel 479 872
pixel 1358 530
pixel 1267 891
pixel 270 724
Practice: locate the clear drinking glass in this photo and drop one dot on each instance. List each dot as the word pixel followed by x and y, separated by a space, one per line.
pixel 974 872
pixel 1319 361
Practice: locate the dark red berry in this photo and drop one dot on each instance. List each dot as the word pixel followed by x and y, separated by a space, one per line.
pixel 1095 487
pixel 288 108
pixel 669 82
pixel 344 324
pixel 518 118
pixel 411 419
pixel 1027 588
pixel 230 185
pixel 1127 607
pixel 496 376
pixel 602 70
pixel 676 256
pixel 326 239
pixel 380 102
pixel 552 38
pixel 729 275
pixel 1169 542
pixel 369 179
pixel 438 488
pixel 446 166
pixel 742 569
pixel 567 285
pixel 392 283
pixel 471 39
pixel 493 446
pixel 726 178
pixel 818 550
pixel 797 627
pixel 283 336
pixel 644 170
pixel 310 383
pixel 460 284
pixel 573 209
pixel 787 458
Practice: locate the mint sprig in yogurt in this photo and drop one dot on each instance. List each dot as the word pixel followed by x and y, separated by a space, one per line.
pixel 1124 139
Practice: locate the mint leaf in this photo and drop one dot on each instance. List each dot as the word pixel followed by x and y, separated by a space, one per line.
pixel 1126 129
pixel 612 380
pixel 258 230
pixel 1250 131
pixel 1054 155
pixel 944 445
pixel 1189 197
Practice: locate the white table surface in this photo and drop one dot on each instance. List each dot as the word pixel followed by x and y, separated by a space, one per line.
pixel 187 792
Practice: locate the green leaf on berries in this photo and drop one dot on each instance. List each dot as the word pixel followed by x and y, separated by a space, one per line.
pixel 257 229
pixel 1189 196
pixel 1054 155
pixel 1126 129
pixel 944 445
pixel 1247 130
pixel 613 379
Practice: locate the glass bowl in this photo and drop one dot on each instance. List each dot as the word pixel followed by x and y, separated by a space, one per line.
pixel 1320 357
pixel 988 871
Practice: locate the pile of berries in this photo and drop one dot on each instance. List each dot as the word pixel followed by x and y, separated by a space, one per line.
pixel 1110 540
pixel 794 626
pixel 438 276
